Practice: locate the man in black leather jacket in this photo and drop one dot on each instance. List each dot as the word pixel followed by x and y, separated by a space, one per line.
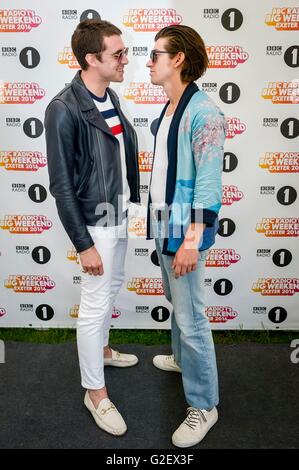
pixel 93 169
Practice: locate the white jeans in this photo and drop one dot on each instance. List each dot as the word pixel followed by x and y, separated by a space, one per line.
pixel 97 299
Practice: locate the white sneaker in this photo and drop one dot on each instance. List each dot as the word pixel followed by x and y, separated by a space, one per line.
pixel 166 363
pixel 195 427
pixel 106 416
pixel 120 360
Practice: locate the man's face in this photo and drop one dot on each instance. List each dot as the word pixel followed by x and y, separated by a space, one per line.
pixel 111 66
pixel 161 65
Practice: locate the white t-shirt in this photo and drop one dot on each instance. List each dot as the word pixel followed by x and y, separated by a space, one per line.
pixel 159 175
pixel 109 113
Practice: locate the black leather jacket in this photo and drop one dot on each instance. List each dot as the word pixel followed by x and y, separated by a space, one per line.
pixel 84 162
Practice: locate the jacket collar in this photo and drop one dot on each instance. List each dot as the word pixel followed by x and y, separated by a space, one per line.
pixel 88 107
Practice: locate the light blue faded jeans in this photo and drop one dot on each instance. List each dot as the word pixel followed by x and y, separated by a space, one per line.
pixel 191 336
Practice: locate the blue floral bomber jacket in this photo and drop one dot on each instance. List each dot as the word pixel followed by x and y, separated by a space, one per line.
pixel 195 160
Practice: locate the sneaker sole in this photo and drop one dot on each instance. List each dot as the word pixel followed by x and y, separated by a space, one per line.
pixel 193 443
pixel 120 364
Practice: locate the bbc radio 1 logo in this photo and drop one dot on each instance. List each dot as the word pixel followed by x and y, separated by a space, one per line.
pixel 221 287
pixel 146 286
pixel 282 92
pixel 226 57
pixel 43 312
pixel 234 127
pixel 29 56
pixel 145 93
pixel 286 195
pixel 22 160
pixel 34 284
pixel 18 21
pixel 231 19
pixel 227 227
pixel 276 286
pixel 229 93
pixel 283 18
pixel 142 19
pixel 40 254
pixel 280 258
pixel 278 162
pixel 25 224
pixel 67 57
pixel 220 314
pixel 36 192
pixel 222 257
pixel 20 92
pixel 85 15
pixel 290 57
pixel 145 161
pixel 278 227
pixel 276 314
pixel 231 194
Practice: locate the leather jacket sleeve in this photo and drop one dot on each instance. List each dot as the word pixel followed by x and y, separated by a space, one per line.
pixel 60 127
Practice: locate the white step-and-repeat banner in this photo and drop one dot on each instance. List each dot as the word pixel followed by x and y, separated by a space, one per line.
pixel 251 273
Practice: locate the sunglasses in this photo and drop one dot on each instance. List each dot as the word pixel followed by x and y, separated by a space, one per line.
pixel 154 54
pixel 120 55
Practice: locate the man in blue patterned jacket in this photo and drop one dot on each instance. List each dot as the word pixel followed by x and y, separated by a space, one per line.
pixel 185 198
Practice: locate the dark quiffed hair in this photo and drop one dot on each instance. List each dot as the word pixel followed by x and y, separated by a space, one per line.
pixel 181 38
pixel 88 38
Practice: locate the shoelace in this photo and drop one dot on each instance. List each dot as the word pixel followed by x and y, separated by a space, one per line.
pixel 170 358
pixel 194 416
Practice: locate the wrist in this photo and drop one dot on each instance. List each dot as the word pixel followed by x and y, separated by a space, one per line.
pixel 87 250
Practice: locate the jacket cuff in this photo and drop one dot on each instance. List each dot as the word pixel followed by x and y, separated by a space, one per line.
pixel 84 245
pixel 203 216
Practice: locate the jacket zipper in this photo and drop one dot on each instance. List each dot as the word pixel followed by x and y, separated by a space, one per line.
pixel 99 145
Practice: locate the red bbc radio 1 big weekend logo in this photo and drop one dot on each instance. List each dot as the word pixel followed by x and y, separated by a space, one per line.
pixel 222 257
pixel 22 160
pixel 226 57
pixel 146 286
pixel 20 92
pixel 283 18
pixel 220 314
pixel 282 92
pixel 234 127
pixel 145 93
pixel 25 224
pixel 18 21
pixel 34 284
pixel 279 227
pixel 67 57
pixel 276 286
pixel 142 19
pixel 280 162
pixel 231 194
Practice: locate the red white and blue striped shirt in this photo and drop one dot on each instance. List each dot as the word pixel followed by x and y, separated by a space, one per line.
pixel 109 113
